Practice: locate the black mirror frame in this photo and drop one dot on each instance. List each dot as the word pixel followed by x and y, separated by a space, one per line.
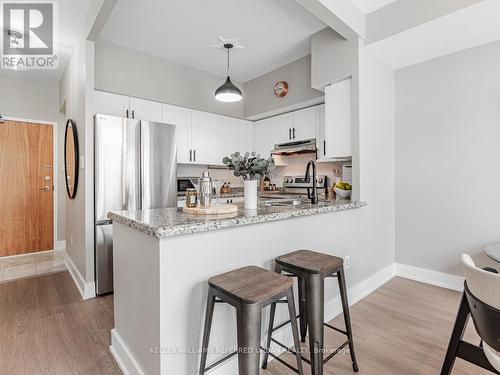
pixel 77 157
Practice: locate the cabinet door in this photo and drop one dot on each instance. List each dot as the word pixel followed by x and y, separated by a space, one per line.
pixel 338 119
pixel 181 118
pixel 243 136
pixel 305 123
pixel 145 110
pixel 272 130
pixel 321 133
pixel 109 104
pixel 204 137
pixel 225 138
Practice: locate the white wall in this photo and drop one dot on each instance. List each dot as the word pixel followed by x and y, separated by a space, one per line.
pixel 37 100
pixel 448 158
pixel 125 71
pixel 260 100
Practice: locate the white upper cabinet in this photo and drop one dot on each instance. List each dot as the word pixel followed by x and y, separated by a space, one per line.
pixel 305 124
pixel 233 135
pixel 243 136
pixel 273 130
pixel 337 128
pixel 145 110
pixel 181 118
pixel 204 137
pixel 111 104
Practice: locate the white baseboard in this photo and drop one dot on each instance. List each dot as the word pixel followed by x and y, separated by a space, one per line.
pixel 440 279
pixel 60 245
pixel 86 289
pixel 123 357
pixel 359 291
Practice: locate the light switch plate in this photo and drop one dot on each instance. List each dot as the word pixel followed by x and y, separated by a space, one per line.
pixel 82 162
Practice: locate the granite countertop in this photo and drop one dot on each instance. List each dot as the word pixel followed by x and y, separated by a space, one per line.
pixel 170 222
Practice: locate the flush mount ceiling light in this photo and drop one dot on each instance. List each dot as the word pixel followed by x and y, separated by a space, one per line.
pixel 228 92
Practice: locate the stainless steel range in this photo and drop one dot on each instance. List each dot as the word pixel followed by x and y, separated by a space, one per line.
pixel 298 185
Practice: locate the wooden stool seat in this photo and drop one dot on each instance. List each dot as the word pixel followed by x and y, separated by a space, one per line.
pixel 311 262
pixel 251 284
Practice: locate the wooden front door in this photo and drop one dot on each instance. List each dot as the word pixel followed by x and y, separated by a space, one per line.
pixel 26 188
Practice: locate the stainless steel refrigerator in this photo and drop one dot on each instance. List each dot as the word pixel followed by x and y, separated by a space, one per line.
pixel 135 166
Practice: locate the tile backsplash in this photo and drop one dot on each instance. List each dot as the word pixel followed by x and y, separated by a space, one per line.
pixel 296 166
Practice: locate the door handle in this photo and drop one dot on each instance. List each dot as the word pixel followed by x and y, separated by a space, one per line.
pixel 289 133
pixel 194 155
pixel 324 148
pixel 46 188
pixel 133 114
pixel 127 113
pixel 190 155
pixel 293 133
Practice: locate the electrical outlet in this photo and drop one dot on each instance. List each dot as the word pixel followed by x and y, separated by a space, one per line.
pixel 347 262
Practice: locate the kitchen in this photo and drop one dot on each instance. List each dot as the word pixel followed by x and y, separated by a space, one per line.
pixel 306 135
pixel 224 167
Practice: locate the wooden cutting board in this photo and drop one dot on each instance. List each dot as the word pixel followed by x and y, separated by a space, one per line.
pixel 215 210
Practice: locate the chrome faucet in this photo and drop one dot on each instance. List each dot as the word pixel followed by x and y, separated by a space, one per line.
pixel 313 196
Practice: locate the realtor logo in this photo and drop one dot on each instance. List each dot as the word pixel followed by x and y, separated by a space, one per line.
pixel 29 35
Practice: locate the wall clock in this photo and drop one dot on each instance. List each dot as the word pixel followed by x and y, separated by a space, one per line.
pixel 281 89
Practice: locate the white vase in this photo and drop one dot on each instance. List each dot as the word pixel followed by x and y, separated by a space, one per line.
pixel 250 187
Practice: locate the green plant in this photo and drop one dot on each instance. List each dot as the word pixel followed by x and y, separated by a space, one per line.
pixel 249 166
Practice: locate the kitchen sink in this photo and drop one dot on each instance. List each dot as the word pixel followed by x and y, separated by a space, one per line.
pixel 284 202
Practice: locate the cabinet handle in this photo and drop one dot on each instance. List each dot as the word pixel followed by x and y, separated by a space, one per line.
pixel 324 148
pixel 293 133
pixel 194 155
pixel 133 114
pixel 127 113
pixel 289 133
pixel 190 155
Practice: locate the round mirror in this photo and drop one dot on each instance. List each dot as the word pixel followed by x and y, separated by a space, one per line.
pixel 71 158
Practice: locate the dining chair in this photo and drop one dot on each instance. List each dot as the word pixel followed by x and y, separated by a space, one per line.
pixel 481 299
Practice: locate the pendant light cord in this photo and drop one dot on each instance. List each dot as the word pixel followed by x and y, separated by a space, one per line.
pixel 227 72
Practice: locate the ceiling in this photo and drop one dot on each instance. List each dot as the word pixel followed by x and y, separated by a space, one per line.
pixel 368 6
pixel 71 16
pixel 274 32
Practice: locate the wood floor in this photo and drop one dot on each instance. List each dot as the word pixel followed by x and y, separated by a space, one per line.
pixel 401 329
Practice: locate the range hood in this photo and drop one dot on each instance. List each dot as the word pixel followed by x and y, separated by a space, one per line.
pixel 307 146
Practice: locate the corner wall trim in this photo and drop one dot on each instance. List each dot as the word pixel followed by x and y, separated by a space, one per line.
pixel 436 278
pixel 123 357
pixel 87 290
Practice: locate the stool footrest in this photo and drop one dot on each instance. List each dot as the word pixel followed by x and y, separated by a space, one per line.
pixel 220 361
pixel 280 360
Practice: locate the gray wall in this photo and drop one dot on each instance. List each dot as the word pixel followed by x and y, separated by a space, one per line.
pixel 333 58
pixel 125 71
pixel 448 158
pixel 259 92
pixel 35 100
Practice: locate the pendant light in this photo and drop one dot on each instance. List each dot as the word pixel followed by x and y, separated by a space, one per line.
pixel 228 92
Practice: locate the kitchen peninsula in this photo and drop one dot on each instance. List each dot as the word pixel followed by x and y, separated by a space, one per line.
pixel 163 259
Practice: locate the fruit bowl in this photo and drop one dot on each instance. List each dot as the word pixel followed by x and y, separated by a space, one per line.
pixel 344 194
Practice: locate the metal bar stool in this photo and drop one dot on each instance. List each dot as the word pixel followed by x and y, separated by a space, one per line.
pixel 311 269
pixel 249 290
